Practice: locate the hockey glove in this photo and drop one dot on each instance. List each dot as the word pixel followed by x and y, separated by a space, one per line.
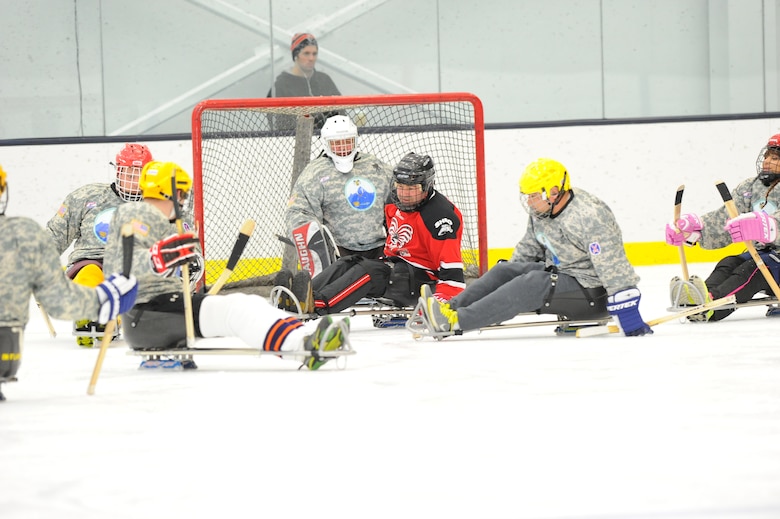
pixel 116 296
pixel 624 307
pixel 755 226
pixel 686 230
pixel 172 252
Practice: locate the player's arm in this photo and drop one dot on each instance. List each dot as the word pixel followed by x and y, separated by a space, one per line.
pixel 305 204
pixel 65 226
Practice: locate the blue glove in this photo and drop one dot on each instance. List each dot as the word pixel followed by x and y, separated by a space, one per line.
pixel 116 296
pixel 624 307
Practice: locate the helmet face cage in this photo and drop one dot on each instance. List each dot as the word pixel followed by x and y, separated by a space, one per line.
pixel 339 135
pixel 129 164
pixel 768 162
pixel 413 170
pixel 537 183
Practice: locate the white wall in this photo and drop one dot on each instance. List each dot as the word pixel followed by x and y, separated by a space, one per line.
pixel 635 168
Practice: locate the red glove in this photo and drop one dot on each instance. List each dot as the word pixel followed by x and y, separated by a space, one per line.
pixel 172 252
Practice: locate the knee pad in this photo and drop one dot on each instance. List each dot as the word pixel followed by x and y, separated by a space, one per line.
pixel 10 351
pixel 90 275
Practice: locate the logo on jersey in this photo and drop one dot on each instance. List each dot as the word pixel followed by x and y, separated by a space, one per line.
pixel 399 235
pixel 594 248
pixel 445 226
pixel 101 224
pixel 769 208
pixel 360 193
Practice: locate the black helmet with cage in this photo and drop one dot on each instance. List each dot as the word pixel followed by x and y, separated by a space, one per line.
pixel 413 169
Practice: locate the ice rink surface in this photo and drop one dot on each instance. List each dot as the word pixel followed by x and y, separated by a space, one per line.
pixel 503 424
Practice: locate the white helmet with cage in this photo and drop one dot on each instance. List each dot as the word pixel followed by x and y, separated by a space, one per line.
pixel 339 136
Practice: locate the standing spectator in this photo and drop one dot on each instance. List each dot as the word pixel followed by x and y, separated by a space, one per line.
pixel 302 80
pixel 83 220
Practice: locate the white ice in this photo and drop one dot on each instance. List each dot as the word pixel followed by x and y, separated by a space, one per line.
pixel 502 424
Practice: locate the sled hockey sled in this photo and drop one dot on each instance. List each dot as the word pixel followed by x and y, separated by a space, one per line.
pixel 183 358
pixel 420 327
pixel 383 314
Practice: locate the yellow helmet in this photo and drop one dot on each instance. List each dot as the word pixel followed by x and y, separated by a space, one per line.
pixel 156 180
pixel 542 175
pixel 3 191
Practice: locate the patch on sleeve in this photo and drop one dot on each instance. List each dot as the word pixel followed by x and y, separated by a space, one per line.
pixel 140 227
pixel 63 209
pixel 595 248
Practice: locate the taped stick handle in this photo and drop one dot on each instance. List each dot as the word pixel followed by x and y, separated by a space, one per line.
pixel 189 320
pixel 733 212
pixel 108 333
pixel 677 213
pixel 246 230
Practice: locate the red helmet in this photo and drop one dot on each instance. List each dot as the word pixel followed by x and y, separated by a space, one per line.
pixel 129 163
pixel 136 155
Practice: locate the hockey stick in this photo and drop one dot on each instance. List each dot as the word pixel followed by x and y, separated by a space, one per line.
pixel 127 263
pixel 677 210
pixel 189 321
pixel 46 319
pixel 247 228
pixel 731 207
pixel 604 330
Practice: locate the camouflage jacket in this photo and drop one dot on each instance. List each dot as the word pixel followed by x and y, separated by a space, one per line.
pixel 750 195
pixel 583 241
pixel 84 218
pixel 350 204
pixel 31 265
pixel 149 226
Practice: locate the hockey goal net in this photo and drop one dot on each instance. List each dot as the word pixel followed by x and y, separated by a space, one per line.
pixel 247 154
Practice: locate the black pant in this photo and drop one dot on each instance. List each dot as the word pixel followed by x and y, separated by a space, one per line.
pixel 740 276
pixel 352 278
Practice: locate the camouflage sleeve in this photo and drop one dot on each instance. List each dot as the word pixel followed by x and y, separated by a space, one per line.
pixel 306 200
pixel 31 265
pixel 713 234
pixel 65 225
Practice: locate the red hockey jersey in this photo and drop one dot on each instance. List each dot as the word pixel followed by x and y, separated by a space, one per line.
pixel 429 239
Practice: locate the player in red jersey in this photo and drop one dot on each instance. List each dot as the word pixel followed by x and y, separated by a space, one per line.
pixel 423 246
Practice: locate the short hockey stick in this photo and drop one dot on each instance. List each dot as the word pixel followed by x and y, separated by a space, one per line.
pixel 731 207
pixel 46 319
pixel 127 263
pixel 189 320
pixel 677 211
pixel 604 330
pixel 247 228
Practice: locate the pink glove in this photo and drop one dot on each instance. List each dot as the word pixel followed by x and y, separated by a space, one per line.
pixel 755 226
pixel 686 230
